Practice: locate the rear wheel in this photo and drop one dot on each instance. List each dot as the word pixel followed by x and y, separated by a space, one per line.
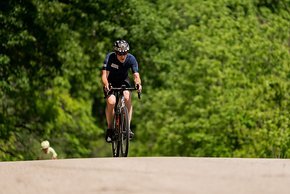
pixel 125 132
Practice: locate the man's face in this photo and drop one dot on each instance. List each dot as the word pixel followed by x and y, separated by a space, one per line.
pixel 122 57
pixel 45 150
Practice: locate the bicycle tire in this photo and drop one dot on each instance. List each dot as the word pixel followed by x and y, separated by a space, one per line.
pixel 115 149
pixel 125 132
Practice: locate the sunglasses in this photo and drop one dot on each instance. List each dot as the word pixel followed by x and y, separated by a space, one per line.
pixel 122 53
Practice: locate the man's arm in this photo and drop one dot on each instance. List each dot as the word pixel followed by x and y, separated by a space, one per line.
pixel 54 154
pixel 137 80
pixel 105 75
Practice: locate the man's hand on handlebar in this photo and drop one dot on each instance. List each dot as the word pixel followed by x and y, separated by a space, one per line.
pixel 138 87
pixel 106 89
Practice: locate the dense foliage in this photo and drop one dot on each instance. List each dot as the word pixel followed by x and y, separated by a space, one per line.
pixel 216 76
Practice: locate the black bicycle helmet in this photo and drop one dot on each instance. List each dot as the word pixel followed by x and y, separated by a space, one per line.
pixel 121 46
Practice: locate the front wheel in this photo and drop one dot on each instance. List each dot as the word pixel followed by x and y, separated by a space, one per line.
pixel 116 143
pixel 125 129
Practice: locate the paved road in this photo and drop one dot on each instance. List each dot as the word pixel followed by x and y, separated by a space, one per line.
pixel 151 175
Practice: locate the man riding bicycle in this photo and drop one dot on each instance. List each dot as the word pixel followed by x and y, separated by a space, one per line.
pixel 115 74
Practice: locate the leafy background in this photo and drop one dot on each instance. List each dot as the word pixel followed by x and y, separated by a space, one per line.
pixel 216 76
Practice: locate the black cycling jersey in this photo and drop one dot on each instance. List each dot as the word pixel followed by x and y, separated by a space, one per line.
pixel 119 71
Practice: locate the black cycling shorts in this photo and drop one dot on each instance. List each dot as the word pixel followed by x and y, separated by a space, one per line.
pixel 119 84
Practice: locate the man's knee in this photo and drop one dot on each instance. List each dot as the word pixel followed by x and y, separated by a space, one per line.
pixel 111 101
pixel 127 96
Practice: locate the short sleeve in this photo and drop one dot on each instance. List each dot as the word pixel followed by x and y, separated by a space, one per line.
pixel 134 65
pixel 106 61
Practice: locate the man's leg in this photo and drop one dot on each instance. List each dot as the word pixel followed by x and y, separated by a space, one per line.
pixel 129 106
pixel 111 101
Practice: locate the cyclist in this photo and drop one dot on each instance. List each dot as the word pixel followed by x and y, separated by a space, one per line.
pixel 48 150
pixel 115 73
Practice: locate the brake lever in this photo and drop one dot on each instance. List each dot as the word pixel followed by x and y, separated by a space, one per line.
pixel 139 93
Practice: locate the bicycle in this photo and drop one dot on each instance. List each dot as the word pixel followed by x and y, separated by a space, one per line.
pixel 121 125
